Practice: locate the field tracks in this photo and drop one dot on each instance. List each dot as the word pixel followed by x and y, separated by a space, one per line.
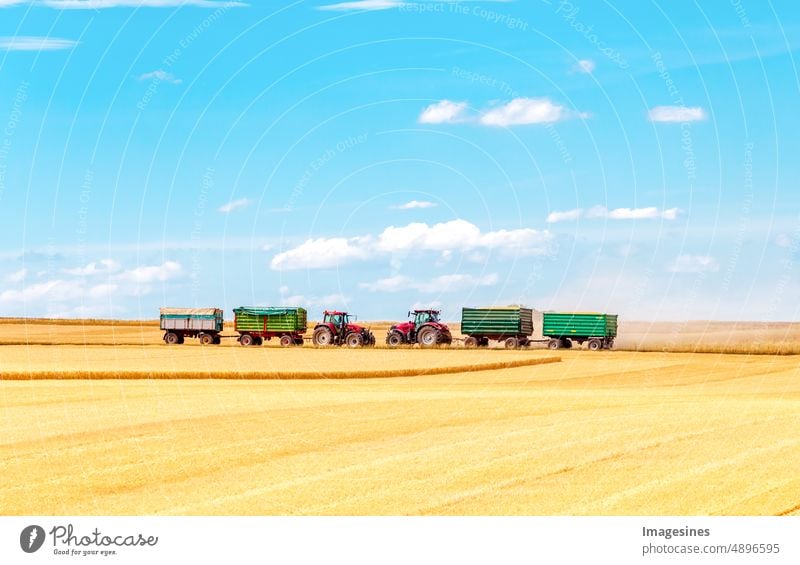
pixel 274 375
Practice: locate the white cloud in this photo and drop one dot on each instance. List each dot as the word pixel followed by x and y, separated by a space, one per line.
pixel 336 300
pixel 103 290
pixel 322 253
pixel 671 213
pixel 595 212
pixel 524 111
pixel 433 305
pixel 100 4
pixel 567 215
pixel 28 43
pixel 363 5
pixel 440 284
pixel 459 235
pixel 783 240
pixel 456 235
pixel 694 264
pixel 443 112
pixel 415 204
pixel 649 213
pixel 163 76
pixel 677 114
pixel 585 66
pixel 133 282
pixel 102 267
pixel 50 291
pixel 17 276
pixel 151 273
pixel 234 205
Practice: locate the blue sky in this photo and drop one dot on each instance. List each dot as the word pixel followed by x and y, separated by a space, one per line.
pixel 633 157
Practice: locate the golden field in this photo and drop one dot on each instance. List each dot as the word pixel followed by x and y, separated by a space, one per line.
pixel 596 433
pixel 696 336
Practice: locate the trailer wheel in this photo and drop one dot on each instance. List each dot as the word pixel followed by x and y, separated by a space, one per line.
pixel 172 338
pixel 217 340
pixel 247 340
pixel 353 340
pixel 512 343
pixel 554 344
pixel 395 339
pixel 595 345
pixel 322 337
pixel 258 340
pixel 205 339
pixel 286 340
pixel 428 337
pixel 471 342
pixel 298 341
pixel 566 343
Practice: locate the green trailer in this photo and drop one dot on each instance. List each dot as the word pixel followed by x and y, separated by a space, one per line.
pixel 511 325
pixel 255 324
pixel 564 328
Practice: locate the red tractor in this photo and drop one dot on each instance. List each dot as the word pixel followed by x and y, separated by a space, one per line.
pixel 423 327
pixel 336 329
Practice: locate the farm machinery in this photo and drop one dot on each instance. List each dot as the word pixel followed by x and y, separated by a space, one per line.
pixel 565 328
pixel 337 328
pixel 423 327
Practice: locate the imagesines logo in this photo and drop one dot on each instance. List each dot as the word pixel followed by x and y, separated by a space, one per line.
pixel 31 539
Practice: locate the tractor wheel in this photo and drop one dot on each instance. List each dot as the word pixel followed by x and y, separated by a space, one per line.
pixel 554 344
pixel 445 339
pixel 512 343
pixel 428 337
pixel 322 337
pixel 287 340
pixel 354 339
pixel 172 338
pixel 206 339
pixel 247 340
pixel 595 345
pixel 471 342
pixel 395 339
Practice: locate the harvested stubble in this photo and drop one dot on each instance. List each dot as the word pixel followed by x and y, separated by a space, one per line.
pixel 61 362
pixel 597 434
pixel 273 375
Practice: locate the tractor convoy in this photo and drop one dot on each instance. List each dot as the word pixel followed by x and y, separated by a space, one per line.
pixel 511 326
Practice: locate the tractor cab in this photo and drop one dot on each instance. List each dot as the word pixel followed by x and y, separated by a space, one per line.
pixel 422 317
pixel 338 319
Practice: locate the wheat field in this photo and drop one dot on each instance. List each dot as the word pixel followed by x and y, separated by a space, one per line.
pixel 595 434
